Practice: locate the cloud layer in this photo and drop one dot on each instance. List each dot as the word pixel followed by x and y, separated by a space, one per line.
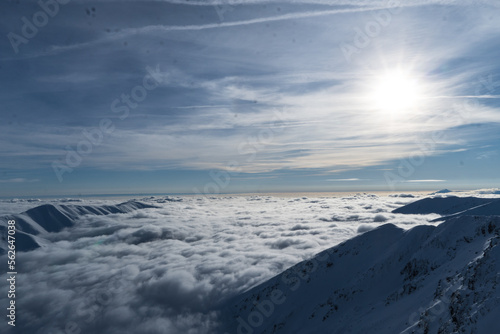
pixel 165 270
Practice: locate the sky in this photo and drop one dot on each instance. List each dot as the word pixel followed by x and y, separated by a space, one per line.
pixel 122 97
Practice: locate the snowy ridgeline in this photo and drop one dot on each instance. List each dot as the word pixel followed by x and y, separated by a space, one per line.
pixel 432 278
pixel 453 206
pixel 34 224
pixel 429 279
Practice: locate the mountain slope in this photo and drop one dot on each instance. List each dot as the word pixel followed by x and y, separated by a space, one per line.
pixel 451 205
pixel 428 279
pixel 34 223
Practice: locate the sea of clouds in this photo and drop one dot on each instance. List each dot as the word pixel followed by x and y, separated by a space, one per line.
pixel 166 269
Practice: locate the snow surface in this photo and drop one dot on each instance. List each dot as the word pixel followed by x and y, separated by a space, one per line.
pixel 452 205
pixel 426 280
pixel 48 218
pixel 185 264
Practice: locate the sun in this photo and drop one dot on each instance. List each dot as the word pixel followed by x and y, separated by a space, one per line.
pixel 396 92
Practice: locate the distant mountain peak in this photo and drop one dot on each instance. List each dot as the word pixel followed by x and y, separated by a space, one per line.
pixel 443 191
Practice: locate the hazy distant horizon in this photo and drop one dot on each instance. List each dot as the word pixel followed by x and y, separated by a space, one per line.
pixel 291 194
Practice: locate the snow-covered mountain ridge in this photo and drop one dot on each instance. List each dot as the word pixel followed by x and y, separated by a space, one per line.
pixel 453 206
pixel 429 279
pixel 215 265
pixel 34 223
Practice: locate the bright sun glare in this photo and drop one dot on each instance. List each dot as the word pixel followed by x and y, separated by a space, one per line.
pixel 396 92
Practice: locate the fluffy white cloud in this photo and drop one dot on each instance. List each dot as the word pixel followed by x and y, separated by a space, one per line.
pixel 164 270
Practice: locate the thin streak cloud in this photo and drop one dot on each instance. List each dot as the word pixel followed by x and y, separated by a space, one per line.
pixel 55 49
pixel 18 180
pixel 424 181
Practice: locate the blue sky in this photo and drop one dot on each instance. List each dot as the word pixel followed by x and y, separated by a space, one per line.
pixel 247 96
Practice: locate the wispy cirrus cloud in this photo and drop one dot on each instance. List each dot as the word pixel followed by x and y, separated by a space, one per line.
pixel 268 86
pixel 18 180
pixel 424 181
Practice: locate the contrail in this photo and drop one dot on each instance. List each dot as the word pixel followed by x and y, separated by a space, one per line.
pixel 465 97
pixel 283 17
pixel 134 31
